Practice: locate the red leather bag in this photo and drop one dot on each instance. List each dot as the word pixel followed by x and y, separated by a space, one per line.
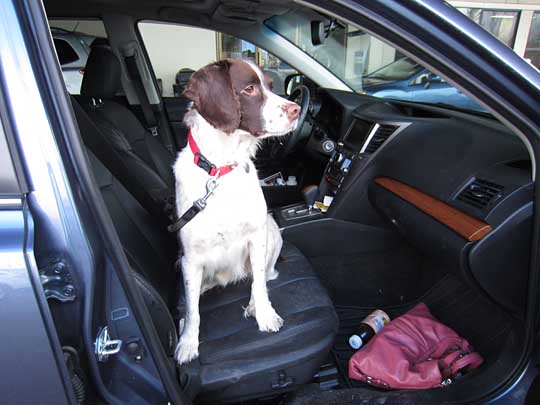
pixel 414 351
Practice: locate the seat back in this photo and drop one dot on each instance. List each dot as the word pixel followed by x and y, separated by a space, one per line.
pixel 123 144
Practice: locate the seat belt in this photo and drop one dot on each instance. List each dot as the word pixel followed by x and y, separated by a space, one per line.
pixel 136 79
pixel 152 123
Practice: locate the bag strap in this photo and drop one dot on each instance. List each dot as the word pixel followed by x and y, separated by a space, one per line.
pixel 457 361
pixel 446 344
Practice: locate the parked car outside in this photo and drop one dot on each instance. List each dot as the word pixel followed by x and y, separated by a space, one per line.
pixel 405 79
pixel 72 49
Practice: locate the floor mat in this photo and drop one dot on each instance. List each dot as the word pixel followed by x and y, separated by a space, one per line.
pixel 466 311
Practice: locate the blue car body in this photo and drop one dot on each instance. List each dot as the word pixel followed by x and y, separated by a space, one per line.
pixel 422 86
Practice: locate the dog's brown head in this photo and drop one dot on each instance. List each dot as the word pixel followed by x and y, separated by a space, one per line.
pixel 234 94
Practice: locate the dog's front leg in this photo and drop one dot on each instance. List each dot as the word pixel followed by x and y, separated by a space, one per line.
pixel 259 304
pixel 188 345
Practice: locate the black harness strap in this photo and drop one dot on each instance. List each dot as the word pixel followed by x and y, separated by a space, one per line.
pixel 184 219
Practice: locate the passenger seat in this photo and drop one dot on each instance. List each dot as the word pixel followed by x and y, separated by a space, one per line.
pixel 236 361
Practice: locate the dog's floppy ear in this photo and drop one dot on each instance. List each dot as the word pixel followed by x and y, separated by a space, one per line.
pixel 211 91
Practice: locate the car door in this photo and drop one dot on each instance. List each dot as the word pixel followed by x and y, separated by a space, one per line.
pixel 30 351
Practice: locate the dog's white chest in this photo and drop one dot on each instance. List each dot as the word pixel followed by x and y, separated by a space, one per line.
pixel 235 209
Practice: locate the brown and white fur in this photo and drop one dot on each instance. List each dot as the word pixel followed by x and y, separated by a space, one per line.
pixel 233 237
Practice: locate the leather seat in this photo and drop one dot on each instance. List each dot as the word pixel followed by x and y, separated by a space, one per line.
pixel 124 145
pixel 236 360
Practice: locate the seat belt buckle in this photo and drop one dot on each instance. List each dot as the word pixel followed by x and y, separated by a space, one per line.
pixel 154 131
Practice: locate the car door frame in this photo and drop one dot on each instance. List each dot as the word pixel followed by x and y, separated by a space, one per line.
pixel 32 359
pixel 66 201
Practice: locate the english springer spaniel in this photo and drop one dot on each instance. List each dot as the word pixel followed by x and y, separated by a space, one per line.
pixel 226 232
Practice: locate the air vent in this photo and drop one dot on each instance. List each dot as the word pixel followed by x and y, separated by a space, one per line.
pixel 480 193
pixel 381 135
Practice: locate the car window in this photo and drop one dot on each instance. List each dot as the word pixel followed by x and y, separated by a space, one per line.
pixel 176 51
pixel 8 180
pixel 401 69
pixel 532 51
pixel 367 64
pixel 72 40
pixel 66 53
pixel 500 23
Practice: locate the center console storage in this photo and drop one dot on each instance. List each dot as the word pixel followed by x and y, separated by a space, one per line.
pixel 295 214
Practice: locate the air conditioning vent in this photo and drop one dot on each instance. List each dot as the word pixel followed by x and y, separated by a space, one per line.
pixel 480 193
pixel 383 133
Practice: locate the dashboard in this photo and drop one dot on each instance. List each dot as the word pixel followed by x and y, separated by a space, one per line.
pixel 457 186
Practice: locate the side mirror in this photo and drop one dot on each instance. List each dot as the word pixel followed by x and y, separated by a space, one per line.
pixel 291 82
pixel 317 33
pixel 431 78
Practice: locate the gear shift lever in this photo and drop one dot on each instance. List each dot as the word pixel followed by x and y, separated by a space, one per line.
pixel 309 193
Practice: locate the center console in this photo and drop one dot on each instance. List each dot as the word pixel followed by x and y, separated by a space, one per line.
pixel 357 146
pixel 362 140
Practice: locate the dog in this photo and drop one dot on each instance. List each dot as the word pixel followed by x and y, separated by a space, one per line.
pixel 233 237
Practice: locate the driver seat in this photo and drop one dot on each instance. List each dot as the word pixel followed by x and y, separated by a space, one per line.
pixel 125 146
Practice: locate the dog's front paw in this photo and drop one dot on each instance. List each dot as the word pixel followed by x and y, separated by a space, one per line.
pixel 268 320
pixel 187 350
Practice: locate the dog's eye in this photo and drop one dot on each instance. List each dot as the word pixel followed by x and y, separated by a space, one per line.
pixel 250 90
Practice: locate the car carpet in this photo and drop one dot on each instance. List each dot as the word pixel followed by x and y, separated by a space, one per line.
pixel 469 313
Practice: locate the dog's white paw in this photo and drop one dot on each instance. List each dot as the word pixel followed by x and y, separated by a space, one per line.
pixel 272 275
pixel 186 350
pixel 267 319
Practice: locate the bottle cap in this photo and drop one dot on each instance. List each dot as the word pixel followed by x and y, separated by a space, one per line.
pixel 355 342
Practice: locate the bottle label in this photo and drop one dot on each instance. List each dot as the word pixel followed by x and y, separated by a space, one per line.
pixel 377 320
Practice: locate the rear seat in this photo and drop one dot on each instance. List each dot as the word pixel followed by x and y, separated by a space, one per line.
pixel 236 361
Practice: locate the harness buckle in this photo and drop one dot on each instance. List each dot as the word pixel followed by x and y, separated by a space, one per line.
pixel 154 131
pixel 204 163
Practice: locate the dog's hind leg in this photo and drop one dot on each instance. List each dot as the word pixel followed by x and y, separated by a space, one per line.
pixel 260 306
pixel 188 345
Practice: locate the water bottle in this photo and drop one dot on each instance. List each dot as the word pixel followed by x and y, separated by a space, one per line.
pixel 369 327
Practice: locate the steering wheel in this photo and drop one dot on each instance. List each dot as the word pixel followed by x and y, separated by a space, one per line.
pixel 301 96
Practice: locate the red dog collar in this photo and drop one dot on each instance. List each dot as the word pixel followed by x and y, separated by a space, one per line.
pixel 205 164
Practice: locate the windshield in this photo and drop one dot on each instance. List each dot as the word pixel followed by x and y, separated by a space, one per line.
pixel 401 69
pixel 365 63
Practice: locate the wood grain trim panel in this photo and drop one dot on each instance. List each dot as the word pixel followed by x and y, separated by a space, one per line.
pixel 463 224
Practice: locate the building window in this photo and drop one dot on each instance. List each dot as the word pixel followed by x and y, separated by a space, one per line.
pixel 532 51
pixel 501 24
pixel 236 48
